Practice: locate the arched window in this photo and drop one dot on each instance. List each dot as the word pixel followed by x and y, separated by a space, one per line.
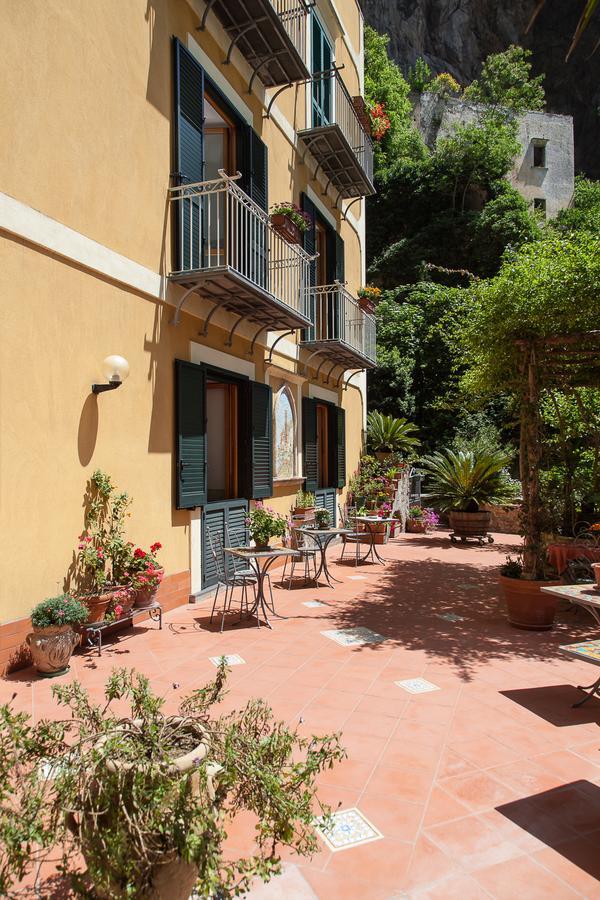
pixel 284 434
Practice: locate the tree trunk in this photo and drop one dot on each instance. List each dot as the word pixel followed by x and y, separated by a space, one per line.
pixel 530 451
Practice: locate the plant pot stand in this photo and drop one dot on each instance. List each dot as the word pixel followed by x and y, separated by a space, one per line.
pixel 93 634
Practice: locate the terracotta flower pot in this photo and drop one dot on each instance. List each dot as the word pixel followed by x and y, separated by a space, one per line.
pixel 470 524
pixel 366 304
pixel 287 229
pixel 145 597
pixel 529 607
pixel 98 604
pixel 51 649
pixel 416 526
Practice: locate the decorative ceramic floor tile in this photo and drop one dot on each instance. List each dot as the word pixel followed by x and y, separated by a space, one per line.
pixel 417 685
pixel 356 577
pixel 347 828
pixel 312 604
pixel 353 637
pixel 450 617
pixel 231 659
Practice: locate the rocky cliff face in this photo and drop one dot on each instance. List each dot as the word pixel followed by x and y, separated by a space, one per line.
pixel 456 35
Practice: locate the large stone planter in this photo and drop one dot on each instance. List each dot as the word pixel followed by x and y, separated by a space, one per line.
pixel 528 606
pixel 51 649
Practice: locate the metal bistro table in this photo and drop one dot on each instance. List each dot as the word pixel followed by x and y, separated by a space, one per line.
pixel 261 561
pixel 586 651
pixel 585 595
pixel 322 538
pixel 370 522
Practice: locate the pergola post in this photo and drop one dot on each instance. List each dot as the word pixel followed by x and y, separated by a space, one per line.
pixel 530 458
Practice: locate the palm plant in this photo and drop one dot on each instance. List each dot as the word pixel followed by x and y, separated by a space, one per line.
pixel 388 434
pixel 465 479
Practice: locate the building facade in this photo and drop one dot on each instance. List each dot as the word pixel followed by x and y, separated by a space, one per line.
pixel 143 147
pixel 544 170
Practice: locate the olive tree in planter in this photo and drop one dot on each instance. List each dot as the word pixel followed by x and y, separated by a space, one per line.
pixel 534 329
pixel 145 799
pixel 461 481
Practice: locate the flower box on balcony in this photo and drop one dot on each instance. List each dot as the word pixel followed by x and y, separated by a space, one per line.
pixel 366 304
pixel 362 113
pixel 287 229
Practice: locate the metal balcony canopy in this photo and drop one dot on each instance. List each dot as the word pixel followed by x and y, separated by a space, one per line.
pixel 231 291
pixel 271 34
pixel 338 160
pixel 341 353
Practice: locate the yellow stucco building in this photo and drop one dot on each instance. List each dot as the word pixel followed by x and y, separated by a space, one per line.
pixel 143 146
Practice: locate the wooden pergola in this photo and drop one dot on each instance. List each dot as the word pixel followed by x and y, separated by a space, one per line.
pixel 560 361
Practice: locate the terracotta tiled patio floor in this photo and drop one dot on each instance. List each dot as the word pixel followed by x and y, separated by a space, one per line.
pixel 486 787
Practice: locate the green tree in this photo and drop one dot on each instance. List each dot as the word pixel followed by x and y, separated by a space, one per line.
pixel 505 221
pixel 419 76
pixel 384 83
pixel 506 81
pixel 584 212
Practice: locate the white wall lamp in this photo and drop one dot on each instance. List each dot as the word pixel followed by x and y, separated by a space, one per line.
pixel 115 369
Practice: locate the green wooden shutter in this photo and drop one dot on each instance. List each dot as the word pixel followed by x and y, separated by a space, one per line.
pixel 340 446
pixel 340 267
pixel 310 245
pixel 310 456
pixel 188 153
pixel 252 161
pixel 261 440
pixel 190 404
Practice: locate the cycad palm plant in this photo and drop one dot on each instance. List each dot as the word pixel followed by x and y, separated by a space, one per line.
pixel 465 479
pixel 388 434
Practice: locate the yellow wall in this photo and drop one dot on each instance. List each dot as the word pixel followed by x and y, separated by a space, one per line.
pixel 85 138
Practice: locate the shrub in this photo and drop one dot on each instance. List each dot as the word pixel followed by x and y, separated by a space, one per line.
pixel 61 610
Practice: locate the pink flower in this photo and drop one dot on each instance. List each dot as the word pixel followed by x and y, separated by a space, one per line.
pixel 80 546
pixel 118 611
pixel 60 612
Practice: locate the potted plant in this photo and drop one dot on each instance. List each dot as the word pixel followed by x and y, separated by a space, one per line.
pixel 368 297
pixel 462 481
pixel 322 517
pixel 289 221
pixel 103 552
pixel 53 638
pixel 421 519
pixel 146 574
pixel 134 802
pixel 263 524
pixel 528 606
pixel 305 505
pixel 387 435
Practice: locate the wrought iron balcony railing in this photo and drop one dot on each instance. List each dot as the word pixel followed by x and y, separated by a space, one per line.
pixel 341 330
pixel 336 138
pixel 271 34
pixel 227 251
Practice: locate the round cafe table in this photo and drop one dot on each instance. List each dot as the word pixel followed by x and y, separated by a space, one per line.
pixel 322 538
pixel 559 554
pixel 370 522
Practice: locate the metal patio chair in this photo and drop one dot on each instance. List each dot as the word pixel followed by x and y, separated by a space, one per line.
pixel 354 536
pixel 240 567
pixel 308 558
pixel 228 579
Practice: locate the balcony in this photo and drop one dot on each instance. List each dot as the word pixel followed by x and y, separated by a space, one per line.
pixel 341 331
pixel 227 251
pixel 271 34
pixel 337 139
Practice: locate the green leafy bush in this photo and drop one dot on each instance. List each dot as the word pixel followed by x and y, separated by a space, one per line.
pixel 61 610
pixel 109 790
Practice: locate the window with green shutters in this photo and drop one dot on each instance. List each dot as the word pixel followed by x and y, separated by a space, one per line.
pixel 336 455
pixel 190 457
pixel 310 454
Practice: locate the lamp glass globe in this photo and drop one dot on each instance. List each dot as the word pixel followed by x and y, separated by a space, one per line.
pixel 115 368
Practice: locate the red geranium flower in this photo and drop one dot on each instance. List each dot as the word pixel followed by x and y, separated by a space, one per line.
pixel 155 546
pixel 139 553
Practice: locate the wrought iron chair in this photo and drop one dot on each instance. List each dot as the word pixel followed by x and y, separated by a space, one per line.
pixel 240 567
pixel 228 579
pixel 354 536
pixel 308 558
